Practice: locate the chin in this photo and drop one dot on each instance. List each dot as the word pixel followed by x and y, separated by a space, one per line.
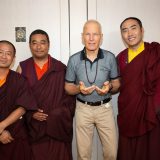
pixel 92 49
pixel 41 56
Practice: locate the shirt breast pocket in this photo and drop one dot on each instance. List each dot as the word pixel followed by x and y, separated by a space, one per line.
pixel 105 73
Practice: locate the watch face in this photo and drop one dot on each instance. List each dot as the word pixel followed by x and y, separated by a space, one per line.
pixel 20 34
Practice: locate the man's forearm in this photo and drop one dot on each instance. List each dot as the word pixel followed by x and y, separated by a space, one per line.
pixel 115 86
pixel 13 117
pixel 71 88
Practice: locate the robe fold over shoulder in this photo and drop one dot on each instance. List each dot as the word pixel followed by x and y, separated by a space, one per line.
pixel 14 93
pixel 136 102
pixel 51 97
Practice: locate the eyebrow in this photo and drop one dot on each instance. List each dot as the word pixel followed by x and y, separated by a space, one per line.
pixel 39 41
pixel 1 50
pixel 129 27
pixel 133 26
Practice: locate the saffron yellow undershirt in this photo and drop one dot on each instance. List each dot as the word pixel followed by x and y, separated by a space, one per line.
pixel 2 81
pixel 132 54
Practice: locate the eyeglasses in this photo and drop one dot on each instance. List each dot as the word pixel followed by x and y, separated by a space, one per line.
pixel 5 53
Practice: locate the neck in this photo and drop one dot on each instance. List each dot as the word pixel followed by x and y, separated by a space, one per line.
pixel 40 62
pixel 3 72
pixel 91 55
pixel 134 48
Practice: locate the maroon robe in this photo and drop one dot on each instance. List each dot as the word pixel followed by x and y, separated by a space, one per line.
pixel 15 92
pixel 52 138
pixel 138 105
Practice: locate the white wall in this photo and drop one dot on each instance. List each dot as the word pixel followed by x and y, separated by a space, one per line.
pixel 114 12
pixel 64 19
pixel 32 14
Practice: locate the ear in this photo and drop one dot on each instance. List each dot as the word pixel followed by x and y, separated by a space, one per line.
pixel 13 62
pixel 82 37
pixel 142 30
pixel 101 39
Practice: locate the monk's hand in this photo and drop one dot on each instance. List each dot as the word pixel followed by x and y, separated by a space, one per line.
pixel 2 127
pixel 86 90
pixel 40 116
pixel 6 137
pixel 104 90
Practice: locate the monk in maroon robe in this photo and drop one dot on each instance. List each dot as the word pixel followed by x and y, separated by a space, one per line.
pixel 15 99
pixel 51 128
pixel 139 99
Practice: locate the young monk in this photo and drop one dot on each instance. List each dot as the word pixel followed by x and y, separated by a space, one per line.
pixel 15 99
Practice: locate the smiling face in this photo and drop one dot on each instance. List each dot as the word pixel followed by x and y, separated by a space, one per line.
pixel 92 36
pixel 7 55
pixel 132 33
pixel 39 46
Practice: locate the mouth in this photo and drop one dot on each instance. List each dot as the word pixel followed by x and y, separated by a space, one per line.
pixel 91 44
pixel 3 62
pixel 39 52
pixel 130 39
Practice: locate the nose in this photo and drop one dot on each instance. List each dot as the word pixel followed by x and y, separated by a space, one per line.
pixel 130 32
pixel 3 54
pixel 91 37
pixel 38 45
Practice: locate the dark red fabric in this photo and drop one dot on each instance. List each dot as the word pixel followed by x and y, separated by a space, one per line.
pixel 138 103
pixel 144 147
pixel 51 150
pixel 14 93
pixel 51 97
pixel 138 85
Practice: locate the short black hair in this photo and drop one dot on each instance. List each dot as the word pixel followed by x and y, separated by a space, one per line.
pixel 134 18
pixel 39 31
pixel 11 44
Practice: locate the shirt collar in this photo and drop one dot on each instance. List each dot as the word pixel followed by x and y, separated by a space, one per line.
pixel 99 56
